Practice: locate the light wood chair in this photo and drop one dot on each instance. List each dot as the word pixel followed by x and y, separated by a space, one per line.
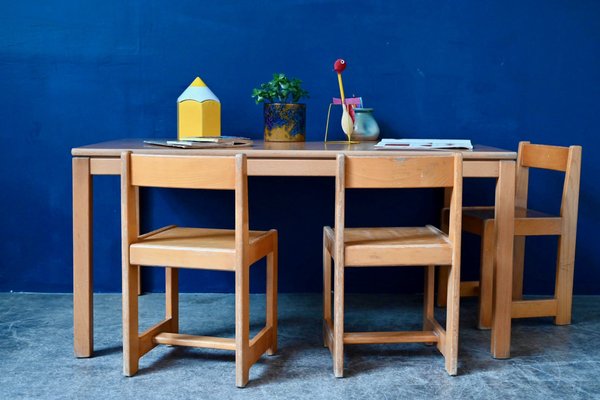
pixel 369 247
pixel 214 249
pixel 480 221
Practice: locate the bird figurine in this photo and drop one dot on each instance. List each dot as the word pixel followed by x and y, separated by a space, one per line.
pixel 347 121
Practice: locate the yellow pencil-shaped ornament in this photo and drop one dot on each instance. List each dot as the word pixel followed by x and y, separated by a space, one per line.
pixel 198 112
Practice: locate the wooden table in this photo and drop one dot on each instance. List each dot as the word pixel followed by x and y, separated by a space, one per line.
pixel 284 159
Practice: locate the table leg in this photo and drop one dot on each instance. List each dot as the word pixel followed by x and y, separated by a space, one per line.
pixel 505 212
pixel 83 332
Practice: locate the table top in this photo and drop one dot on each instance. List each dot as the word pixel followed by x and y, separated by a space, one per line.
pixel 262 149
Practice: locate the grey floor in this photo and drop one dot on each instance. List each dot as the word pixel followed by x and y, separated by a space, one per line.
pixel 36 355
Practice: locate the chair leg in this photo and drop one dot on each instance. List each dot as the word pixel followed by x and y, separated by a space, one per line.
pixel 242 325
pixel 518 265
pixel 444 270
pixel 130 320
pixel 271 295
pixel 442 291
pixel 452 321
pixel 338 321
pixel 326 289
pixel 172 297
pixel 428 298
pixel 486 276
pixel 428 294
pixel 565 266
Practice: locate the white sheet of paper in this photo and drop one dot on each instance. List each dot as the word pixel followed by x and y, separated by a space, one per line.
pixel 424 144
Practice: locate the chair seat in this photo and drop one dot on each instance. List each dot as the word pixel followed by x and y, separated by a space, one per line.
pixel 403 246
pixel 485 213
pixel 197 248
pixel 528 222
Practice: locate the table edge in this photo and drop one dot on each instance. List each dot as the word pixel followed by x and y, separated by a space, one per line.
pixel 290 154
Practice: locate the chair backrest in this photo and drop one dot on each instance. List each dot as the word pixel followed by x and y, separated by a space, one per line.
pixel 184 172
pixel 207 172
pixel 399 172
pixel 381 172
pixel 555 158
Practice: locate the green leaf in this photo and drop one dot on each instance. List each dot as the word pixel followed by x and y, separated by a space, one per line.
pixel 281 89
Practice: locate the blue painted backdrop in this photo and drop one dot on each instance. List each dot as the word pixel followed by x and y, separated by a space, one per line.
pixel 496 72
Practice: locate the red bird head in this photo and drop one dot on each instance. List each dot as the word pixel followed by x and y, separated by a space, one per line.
pixel 339 65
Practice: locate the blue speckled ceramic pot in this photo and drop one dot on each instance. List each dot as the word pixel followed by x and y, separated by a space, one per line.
pixel 285 122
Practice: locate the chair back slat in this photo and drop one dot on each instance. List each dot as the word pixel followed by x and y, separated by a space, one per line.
pixel 399 172
pixel 208 172
pixel 545 157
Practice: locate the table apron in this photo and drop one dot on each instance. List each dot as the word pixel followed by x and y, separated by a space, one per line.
pixel 298 167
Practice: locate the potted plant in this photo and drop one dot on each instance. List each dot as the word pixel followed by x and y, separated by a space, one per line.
pixel 285 118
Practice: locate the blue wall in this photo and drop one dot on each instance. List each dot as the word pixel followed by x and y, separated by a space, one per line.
pixel 74 73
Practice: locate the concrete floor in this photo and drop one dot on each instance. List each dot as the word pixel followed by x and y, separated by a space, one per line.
pixel 36 354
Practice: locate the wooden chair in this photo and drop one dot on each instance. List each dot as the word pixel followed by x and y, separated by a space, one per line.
pixel 370 247
pixel 174 247
pixel 480 221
